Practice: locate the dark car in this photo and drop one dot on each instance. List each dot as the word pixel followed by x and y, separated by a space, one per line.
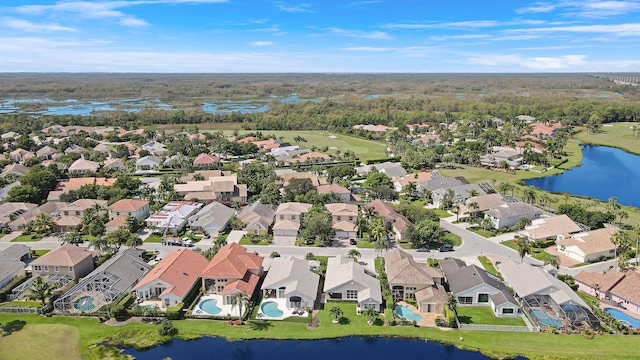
pixel 423 249
pixel 352 241
pixel 445 248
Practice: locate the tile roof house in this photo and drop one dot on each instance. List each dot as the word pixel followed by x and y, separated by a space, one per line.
pixel 393 220
pixel 343 192
pixel 315 179
pixel 206 160
pixel 291 279
pixel 347 280
pixel 154 148
pixel 233 269
pixel 343 219
pixel 103 148
pixel 48 153
pixel 462 192
pixel 211 219
pixel 484 202
pixel 439 183
pixel 388 168
pixel 77 183
pixel 496 156
pixel 69 260
pixel 544 131
pixel 311 156
pixel 172 278
pixel 82 166
pixel 257 218
pixel 173 216
pixel 148 163
pixel 117 164
pixel 475 286
pixel 16 169
pixel 400 182
pixel 613 285
pixel 20 155
pixel 12 210
pixel 74 149
pixel 50 208
pixel 550 227
pixel 129 207
pixel 288 218
pixel 508 214
pixel 409 279
pixel 71 215
pixel 588 246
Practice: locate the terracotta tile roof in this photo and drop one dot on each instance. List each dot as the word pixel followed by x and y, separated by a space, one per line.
pixel 206 159
pixel 120 221
pixel 591 242
pixel 232 261
pixel 629 287
pixel 383 209
pixel 342 209
pixel 129 205
pixel 246 284
pixel 76 183
pixel 332 188
pixel 247 139
pixel 308 156
pixel 604 281
pixel 180 268
pixel 412 178
pixel 66 255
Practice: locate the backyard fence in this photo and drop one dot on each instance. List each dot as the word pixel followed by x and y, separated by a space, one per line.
pixel 487 327
pixel 20 310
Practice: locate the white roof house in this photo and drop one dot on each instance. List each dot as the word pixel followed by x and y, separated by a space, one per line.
pixel 348 280
pixel 292 279
pixel 508 214
pixel 173 216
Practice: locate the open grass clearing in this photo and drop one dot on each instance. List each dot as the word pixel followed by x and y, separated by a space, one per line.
pixel 618 135
pixel 43 342
pixel 484 315
pixel 23 304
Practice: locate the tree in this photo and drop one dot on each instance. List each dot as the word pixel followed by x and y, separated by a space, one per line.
pixel 337 313
pixel 310 256
pixel 553 260
pixel 115 239
pixel 339 172
pixel 316 225
pixel 452 302
pixel 371 314
pixel 528 195
pixel 274 254
pixel 299 139
pixel 71 237
pixel 522 223
pixel 41 289
pixel 410 189
pixel 241 300
pixel 429 232
pixel 43 225
pixel 621 240
pixel 297 187
pixel 524 247
pixel 377 179
pixel 353 254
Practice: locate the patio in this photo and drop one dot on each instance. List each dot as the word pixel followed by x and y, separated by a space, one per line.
pixel 282 306
pixel 225 309
pixel 428 319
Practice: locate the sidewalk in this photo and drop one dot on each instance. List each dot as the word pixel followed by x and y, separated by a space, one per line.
pixel 9 237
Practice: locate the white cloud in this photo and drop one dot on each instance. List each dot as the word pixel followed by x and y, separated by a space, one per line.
pixel 367 48
pixel 295 8
pixel 28 26
pixel 133 22
pixel 506 62
pixel 537 7
pixel 258 21
pixel 473 24
pixel 630 29
pixel 261 43
pixel 377 35
pixel 585 8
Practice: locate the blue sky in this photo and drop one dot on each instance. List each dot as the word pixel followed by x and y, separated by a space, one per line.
pixel 319 36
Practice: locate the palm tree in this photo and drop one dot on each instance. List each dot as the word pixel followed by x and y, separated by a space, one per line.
pixel 41 289
pixel 528 195
pixel 371 314
pixel 133 241
pixel 310 256
pixel 410 189
pixel 71 237
pixel 553 260
pixel 621 240
pixel 452 303
pixel 337 313
pixel 524 247
pixel 504 188
pixel 43 225
pixel 353 254
pixel 239 299
pixel 474 206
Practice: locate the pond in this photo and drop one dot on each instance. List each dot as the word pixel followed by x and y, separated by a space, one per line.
pixel 335 349
pixel 605 172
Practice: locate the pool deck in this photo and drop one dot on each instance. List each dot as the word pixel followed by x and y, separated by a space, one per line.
pixel 633 315
pixel 282 306
pixel 428 319
pixel 225 310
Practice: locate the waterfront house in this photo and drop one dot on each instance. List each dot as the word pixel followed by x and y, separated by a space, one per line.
pixel 612 286
pixel 293 280
pixel 508 214
pixel 588 246
pixel 550 228
pixel 69 260
pixel 347 280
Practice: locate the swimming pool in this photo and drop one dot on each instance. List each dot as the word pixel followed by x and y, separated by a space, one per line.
pixel 408 313
pixel 544 319
pixel 210 306
pixel 270 308
pixel 84 303
pixel 624 317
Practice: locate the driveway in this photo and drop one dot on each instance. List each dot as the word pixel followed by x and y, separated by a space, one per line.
pixel 235 236
pixel 284 241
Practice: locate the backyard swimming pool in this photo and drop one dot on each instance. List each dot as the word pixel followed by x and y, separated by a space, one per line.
pixel 544 319
pixel 408 313
pixel 270 308
pixel 84 304
pixel 210 306
pixel 624 317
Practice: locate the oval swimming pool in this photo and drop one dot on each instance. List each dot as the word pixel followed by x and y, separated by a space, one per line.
pixel 270 308
pixel 624 317
pixel 408 313
pixel 210 306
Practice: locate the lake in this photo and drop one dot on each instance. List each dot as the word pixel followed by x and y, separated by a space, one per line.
pixel 605 172
pixel 334 349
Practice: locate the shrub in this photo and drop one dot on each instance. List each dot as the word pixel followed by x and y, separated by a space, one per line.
pixel 450 318
pixel 12 326
pixel 175 313
pixel 119 312
pixel 126 301
pixel 167 329
pixel 388 315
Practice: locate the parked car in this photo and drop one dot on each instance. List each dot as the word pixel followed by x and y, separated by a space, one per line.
pixel 423 249
pixel 352 241
pixel 445 248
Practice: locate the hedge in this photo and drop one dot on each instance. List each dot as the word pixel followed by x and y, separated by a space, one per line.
pixel 12 285
pixel 175 313
pixel 126 301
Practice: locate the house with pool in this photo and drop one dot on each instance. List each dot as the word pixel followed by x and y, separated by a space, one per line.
pixel 411 280
pixel 233 269
pixel 614 287
pixel 291 284
pixel 474 286
pixel 347 280
pixel 169 282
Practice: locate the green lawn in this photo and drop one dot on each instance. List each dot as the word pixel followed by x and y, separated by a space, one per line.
pixel 42 341
pixel 26 238
pixel 453 239
pixel 484 315
pixel 480 231
pixel 24 304
pixel 153 239
pixel 364 244
pixel 486 263
pixel 617 135
pixel 41 252
pixel 245 241
pixel 442 213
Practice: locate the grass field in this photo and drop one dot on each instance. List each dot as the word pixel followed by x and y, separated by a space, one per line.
pixel 616 135
pixel 484 315
pixel 42 342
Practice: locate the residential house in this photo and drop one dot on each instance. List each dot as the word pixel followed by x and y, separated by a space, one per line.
pixel 508 214
pixel 393 220
pixel 550 301
pixel 285 150
pixel 70 216
pixel 257 218
pixel 211 219
pixel 12 210
pixel 588 246
pixel 173 216
pixel 148 163
pixel 154 148
pixel 50 208
pixel 115 224
pixel 69 260
pixel 316 180
pixel 347 280
pixel 499 156
pixel 4 191
pixel 108 282
pixel 374 128
pixel 116 164
pixel 64 186
pixel 399 182
pixel 48 153
pixel 388 168
pixel 173 278
pixel 102 148
pixel 612 286
pixel 483 202
pixel 341 191
pixel 82 166
pixel 343 219
pixel 475 286
pixel 460 192
pixel 409 279
pixel 20 155
pixel 129 207
pixel 12 263
pixel 439 183
pixel 550 228
pixel 293 280
pixel 544 131
pixel 74 149
pixel 206 160
pixel 233 269
pixel 11 135
pixel 429 140
pixel 224 189
pixel 289 217
pixel 313 156
pixel 15 169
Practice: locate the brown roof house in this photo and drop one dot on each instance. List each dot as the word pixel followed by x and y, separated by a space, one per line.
pixel 343 219
pixel 12 210
pixel 257 218
pixel 172 278
pixel 613 285
pixel 20 155
pixel 71 215
pixel 588 246
pixel 550 228
pixel 411 280
pixel 16 169
pixel 129 207
pixel 289 217
pixel 233 269
pixel 206 160
pixel 393 220
pixel 82 166
pixel 69 260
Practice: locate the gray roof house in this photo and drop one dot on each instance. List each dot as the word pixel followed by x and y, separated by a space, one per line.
pixel 496 156
pixel 212 219
pixel 114 277
pixel 257 217
pixel 147 163
pixel 347 280
pixel 11 263
pixel 388 168
pixel 293 280
pixel 440 183
pixel 463 192
pixel 508 214
pixel 154 148
pixel 475 286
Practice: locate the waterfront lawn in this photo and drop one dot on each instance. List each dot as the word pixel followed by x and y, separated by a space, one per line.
pixel 22 304
pixel 153 239
pixel 486 263
pixel 618 135
pixel 484 315
pixel 40 341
